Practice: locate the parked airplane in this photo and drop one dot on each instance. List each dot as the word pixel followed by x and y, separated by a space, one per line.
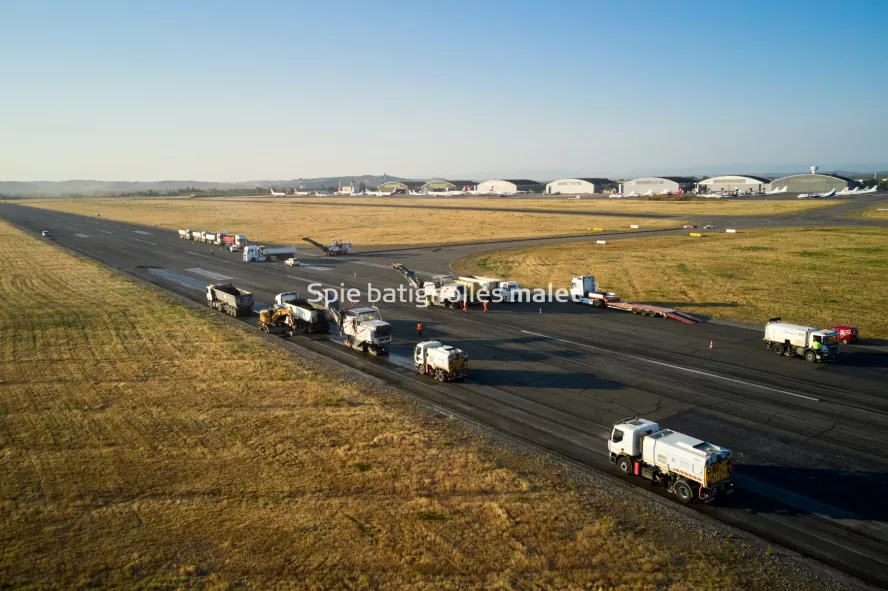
pixel 829 193
pixel 275 194
pixel 872 189
pixel 648 194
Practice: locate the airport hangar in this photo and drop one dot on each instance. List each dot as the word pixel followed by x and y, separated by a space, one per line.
pixel 582 186
pixel 740 182
pixel 442 186
pixel 811 183
pixel 392 186
pixel 658 184
pixel 510 186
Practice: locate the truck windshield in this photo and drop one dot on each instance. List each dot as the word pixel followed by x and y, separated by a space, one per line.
pixel 830 340
pixel 618 436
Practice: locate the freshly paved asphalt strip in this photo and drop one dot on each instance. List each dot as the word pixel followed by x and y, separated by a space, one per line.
pixel 808 440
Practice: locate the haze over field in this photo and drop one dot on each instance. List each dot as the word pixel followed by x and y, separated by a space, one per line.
pixel 278 90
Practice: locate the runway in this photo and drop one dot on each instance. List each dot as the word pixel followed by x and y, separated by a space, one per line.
pixel 808 440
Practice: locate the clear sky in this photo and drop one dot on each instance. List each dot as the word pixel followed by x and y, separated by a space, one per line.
pixel 231 91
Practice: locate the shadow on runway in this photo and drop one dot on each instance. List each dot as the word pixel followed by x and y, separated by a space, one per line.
pixel 838 494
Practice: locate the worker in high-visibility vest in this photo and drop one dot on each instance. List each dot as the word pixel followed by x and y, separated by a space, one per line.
pixel 485 305
pixel 817 345
pixel 419 329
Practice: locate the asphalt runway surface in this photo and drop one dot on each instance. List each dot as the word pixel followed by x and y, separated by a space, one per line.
pixel 808 440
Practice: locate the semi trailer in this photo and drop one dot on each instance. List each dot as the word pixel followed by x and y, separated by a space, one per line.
pixel 253 253
pixel 307 316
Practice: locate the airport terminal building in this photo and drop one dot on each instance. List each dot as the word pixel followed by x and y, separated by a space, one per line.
pixel 730 183
pixel 812 183
pixel 510 186
pixel 658 184
pixel 584 186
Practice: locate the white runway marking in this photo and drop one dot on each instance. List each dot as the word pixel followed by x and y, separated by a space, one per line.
pixel 210 274
pixel 145 241
pixel 106 231
pixel 81 235
pixel 143 232
pixel 678 367
pixel 318 268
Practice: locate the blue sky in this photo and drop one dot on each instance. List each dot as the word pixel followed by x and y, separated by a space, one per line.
pixel 277 90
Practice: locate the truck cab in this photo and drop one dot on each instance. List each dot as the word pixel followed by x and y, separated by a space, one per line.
pixel 626 437
pixel 583 290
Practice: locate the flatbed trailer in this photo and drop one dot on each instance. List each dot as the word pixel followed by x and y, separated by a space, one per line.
pixel 648 310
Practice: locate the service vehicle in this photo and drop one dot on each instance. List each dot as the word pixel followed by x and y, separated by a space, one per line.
pixel 292 262
pixel 439 291
pixel 234 248
pixel 337 248
pixel 689 468
pixel 186 234
pixel 445 363
pixel 361 328
pixel 277 320
pixel 847 334
pixel 227 298
pixel 583 290
pixel 496 289
pixel 308 317
pixel 255 253
pixel 46 234
pixel 813 344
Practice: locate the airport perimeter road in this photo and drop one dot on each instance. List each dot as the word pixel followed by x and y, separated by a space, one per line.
pixel 809 440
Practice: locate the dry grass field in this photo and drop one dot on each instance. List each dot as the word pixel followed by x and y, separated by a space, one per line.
pixel 819 276
pixel 403 221
pixel 148 444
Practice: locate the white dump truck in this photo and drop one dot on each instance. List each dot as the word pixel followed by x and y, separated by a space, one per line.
pixel 442 291
pixel 491 288
pixel 186 234
pixel 443 362
pixel 583 290
pixel 813 344
pixel 308 317
pixel 690 468
pixel 254 253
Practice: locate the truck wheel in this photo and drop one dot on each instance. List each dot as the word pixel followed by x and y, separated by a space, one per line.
pixel 778 349
pixel 439 375
pixel 810 356
pixel 596 303
pixel 624 465
pixel 846 342
pixel 683 491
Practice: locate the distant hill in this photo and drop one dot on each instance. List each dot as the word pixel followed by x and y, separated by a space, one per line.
pixel 91 188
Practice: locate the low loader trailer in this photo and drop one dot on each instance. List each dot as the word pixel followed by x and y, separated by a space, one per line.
pixel 689 468
pixel 583 290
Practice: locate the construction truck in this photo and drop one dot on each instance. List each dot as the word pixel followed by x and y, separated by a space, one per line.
pixel 186 234
pixel 490 288
pixel 444 362
pixel 361 328
pixel 277 320
pixel 254 253
pixel 227 298
pixel 812 344
pixel 338 247
pixel 584 291
pixel 307 316
pixel 689 468
pixel 439 291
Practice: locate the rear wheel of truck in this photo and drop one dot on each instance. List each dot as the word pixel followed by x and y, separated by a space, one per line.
pixel 778 349
pixel 624 465
pixel 683 491
pixel 810 356
pixel 439 375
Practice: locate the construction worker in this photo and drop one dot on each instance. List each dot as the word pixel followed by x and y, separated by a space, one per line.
pixel 465 305
pixel 419 329
pixel 211 251
pixel 817 345
pixel 485 305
